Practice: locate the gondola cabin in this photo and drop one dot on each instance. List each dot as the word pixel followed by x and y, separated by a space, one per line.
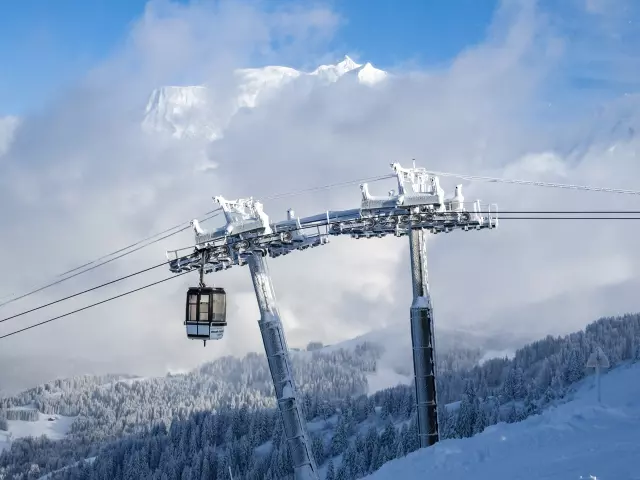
pixel 206 314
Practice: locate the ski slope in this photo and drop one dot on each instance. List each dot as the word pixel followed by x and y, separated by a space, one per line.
pixel 55 429
pixel 578 439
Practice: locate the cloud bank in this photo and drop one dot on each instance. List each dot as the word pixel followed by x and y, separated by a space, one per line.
pixel 81 179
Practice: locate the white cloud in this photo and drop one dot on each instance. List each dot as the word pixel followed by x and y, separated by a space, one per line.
pixel 8 126
pixel 81 180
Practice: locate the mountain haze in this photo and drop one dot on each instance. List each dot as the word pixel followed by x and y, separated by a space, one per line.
pixel 192 112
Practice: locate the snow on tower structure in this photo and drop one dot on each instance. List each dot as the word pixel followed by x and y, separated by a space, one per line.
pixel 247 215
pixel 419 206
pixel 423 187
pixel 422 199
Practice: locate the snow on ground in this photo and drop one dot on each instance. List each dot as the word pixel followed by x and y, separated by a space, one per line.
pixel 578 439
pixel 55 430
pixel 385 377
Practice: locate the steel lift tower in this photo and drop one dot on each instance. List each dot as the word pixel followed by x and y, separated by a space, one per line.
pixel 421 313
pixel 417 208
pixel 277 351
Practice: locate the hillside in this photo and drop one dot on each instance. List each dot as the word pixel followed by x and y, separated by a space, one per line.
pixel 579 439
pixel 395 365
pixel 142 428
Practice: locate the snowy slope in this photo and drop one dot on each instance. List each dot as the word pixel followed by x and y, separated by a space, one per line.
pixel 188 112
pixel 576 440
pixel 55 429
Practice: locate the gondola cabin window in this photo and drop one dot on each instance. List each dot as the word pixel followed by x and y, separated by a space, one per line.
pixel 205 305
pixel 206 313
pixel 193 308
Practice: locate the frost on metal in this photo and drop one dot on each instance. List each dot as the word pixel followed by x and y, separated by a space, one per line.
pixel 418 203
pixel 244 214
pixel 277 352
pixel 423 342
pixel 419 206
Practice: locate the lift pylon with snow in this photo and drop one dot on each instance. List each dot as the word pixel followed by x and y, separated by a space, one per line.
pixel 417 208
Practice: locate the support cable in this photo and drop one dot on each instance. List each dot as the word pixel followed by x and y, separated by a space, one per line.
pixel 330 186
pixel 191 247
pixel 568 218
pixel 137 243
pixel 15 332
pixel 109 260
pixel 83 292
pixel 180 274
pixel 182 226
pixel 535 183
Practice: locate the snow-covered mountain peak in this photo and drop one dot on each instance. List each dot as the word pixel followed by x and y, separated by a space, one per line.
pixel 179 111
pixel 334 72
pixel 188 111
pixel 253 81
pixel 369 75
pixel 347 63
pixel 185 96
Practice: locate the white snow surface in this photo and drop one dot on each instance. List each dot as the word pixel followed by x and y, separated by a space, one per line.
pixel 54 430
pixel 190 112
pixel 579 439
pixel 181 112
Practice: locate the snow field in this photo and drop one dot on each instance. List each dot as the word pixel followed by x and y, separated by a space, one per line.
pixel 578 439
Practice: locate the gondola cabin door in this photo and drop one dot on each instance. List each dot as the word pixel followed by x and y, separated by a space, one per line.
pixel 206 313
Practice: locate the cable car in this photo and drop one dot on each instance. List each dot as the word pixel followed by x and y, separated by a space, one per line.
pixel 206 313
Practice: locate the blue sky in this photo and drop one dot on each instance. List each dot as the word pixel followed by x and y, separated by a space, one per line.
pixel 44 45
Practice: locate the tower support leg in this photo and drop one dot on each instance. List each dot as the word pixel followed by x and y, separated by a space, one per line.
pixel 423 341
pixel 277 351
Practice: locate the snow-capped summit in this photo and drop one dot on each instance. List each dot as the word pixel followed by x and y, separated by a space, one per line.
pixel 369 75
pixel 188 111
pixel 179 111
pixel 254 81
pixel 334 72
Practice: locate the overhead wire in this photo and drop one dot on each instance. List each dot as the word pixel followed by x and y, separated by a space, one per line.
pixel 15 332
pixel 331 185
pixel 183 224
pixel 182 227
pixel 186 225
pixel 568 218
pixel 180 274
pixel 84 291
pixel 534 183
pixel 109 260
pixel 527 212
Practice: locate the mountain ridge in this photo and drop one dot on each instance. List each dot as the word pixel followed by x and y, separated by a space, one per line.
pixel 190 112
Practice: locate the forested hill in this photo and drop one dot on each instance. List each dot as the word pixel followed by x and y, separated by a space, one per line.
pixel 353 434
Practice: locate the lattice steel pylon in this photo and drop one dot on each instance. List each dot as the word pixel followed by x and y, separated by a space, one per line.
pixel 418 207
